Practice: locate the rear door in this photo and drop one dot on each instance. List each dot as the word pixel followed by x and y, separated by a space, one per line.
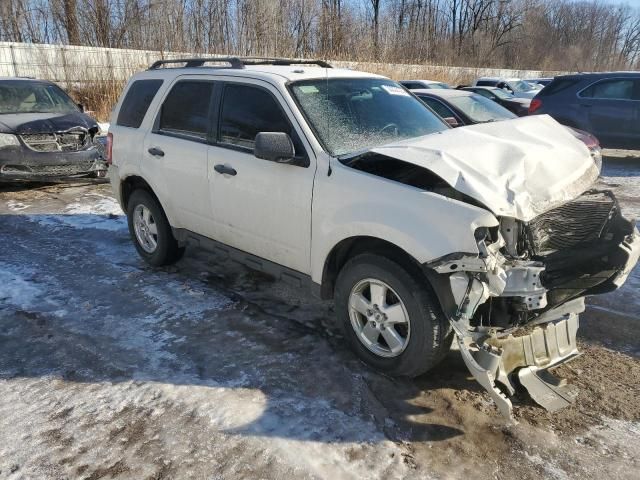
pixel 260 207
pixel 612 110
pixel 175 152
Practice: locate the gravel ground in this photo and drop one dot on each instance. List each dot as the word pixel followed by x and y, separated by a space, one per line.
pixel 111 369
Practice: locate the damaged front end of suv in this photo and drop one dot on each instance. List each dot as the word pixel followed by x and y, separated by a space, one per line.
pixel 533 276
pixel 514 303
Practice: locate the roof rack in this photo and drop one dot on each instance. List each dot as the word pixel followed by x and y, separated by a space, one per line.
pixel 238 62
pixel 198 62
pixel 283 61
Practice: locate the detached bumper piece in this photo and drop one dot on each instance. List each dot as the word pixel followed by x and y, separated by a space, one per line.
pixel 500 365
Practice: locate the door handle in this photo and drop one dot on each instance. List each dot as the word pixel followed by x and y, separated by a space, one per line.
pixel 225 170
pixel 156 152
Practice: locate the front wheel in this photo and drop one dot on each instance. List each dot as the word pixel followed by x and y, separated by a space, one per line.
pixel 391 317
pixel 150 230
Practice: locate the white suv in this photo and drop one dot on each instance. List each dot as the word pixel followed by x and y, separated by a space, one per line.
pixel 346 182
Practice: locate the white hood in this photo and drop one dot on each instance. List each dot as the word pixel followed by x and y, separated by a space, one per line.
pixel 517 168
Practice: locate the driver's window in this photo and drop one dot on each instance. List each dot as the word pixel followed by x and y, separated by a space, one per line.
pixel 247 111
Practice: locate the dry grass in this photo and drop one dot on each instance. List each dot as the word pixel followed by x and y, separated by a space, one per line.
pixel 98 98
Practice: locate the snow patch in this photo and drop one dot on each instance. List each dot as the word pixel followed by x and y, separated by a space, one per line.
pixel 551 470
pixel 15 206
pixel 104 128
pixel 17 290
pixel 614 437
pixel 87 213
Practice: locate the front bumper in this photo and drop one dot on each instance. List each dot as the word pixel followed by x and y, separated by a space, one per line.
pixel 20 163
pixel 489 297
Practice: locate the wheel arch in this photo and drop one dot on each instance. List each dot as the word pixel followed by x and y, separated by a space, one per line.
pixel 356 245
pixel 132 183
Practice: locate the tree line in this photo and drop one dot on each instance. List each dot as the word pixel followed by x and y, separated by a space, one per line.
pixel 518 34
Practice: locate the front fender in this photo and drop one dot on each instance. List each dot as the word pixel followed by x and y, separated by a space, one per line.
pixel 350 203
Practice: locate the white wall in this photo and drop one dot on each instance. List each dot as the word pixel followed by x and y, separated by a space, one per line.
pixel 70 64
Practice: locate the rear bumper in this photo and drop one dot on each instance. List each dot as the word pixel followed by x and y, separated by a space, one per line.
pixel 20 163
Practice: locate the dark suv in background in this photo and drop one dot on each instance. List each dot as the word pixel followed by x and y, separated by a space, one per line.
pixel 606 105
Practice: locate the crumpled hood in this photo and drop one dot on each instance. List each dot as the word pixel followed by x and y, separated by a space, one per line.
pixel 23 123
pixel 518 168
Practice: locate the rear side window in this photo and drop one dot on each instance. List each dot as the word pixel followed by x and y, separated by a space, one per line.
pixel 558 85
pixel 186 109
pixel 486 83
pixel 615 89
pixel 247 111
pixel 136 102
pixel 442 110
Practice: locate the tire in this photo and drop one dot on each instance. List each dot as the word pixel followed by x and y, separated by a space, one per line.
pixel 428 336
pixel 166 249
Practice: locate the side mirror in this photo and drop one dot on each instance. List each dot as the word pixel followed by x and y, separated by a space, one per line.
pixel 274 147
pixel 452 121
pixel 81 107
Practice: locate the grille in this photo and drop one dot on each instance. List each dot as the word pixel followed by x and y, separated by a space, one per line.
pixel 56 142
pixel 59 170
pixel 582 221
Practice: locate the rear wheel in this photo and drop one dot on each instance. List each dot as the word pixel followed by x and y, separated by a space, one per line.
pixel 391 317
pixel 150 230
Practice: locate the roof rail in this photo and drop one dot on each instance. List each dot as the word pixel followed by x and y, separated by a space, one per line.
pixel 284 61
pixel 235 62
pixel 239 62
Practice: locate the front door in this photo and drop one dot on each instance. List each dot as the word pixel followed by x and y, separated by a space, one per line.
pixel 260 207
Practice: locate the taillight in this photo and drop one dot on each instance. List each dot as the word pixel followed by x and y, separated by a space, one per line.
pixel 535 104
pixel 109 148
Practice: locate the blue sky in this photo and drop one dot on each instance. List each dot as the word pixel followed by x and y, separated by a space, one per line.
pixel 634 3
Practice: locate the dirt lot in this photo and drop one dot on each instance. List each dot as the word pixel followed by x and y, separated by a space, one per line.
pixel 111 369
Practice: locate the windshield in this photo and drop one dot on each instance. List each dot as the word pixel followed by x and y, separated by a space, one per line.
pixel 33 97
pixel 354 114
pixel 480 109
pixel 521 86
pixel 438 85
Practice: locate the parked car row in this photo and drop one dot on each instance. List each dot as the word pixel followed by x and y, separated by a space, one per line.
pixel 606 105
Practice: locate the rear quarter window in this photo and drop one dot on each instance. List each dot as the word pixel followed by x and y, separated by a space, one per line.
pixel 614 89
pixel 558 85
pixel 136 102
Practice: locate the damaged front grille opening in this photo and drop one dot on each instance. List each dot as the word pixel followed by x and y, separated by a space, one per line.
pixel 579 222
pixel 69 141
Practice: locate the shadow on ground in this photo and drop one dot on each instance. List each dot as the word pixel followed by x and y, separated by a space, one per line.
pixel 82 307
